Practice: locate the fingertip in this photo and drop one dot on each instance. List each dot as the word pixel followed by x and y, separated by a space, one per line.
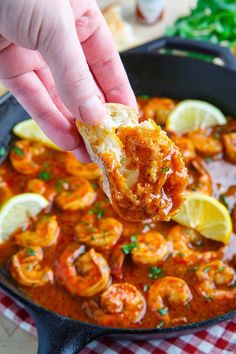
pixel 92 111
pixel 81 154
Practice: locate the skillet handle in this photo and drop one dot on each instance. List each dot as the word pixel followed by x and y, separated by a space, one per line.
pixel 184 44
pixel 59 335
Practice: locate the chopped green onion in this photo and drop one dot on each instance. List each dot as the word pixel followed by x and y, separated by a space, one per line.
pixel 165 169
pixel 18 151
pixel 155 273
pixel 145 287
pixel 45 176
pixel 30 251
pixel 161 324
pixel 163 311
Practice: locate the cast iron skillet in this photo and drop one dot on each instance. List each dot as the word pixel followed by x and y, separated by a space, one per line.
pixel 154 74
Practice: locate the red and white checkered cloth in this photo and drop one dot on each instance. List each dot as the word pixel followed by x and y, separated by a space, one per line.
pixel 219 339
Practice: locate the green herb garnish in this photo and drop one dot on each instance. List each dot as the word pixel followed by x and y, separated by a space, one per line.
pixel 30 251
pixel 144 97
pixel 155 273
pixel 161 324
pixel 3 151
pixel 165 169
pixel 18 151
pixel 45 176
pixel 221 269
pixel 128 247
pixel 207 269
pixel 145 287
pixel 163 311
pixel 97 210
pixel 210 20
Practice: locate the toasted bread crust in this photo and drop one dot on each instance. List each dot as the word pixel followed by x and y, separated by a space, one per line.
pixel 144 173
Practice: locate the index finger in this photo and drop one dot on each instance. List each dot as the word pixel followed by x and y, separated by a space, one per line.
pixel 105 63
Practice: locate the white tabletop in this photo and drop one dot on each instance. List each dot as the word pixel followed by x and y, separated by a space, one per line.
pixel 12 339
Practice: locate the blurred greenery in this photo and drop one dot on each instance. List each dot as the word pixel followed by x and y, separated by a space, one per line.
pixel 210 20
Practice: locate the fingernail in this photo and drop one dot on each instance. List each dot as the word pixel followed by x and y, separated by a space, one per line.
pixel 92 111
pixel 81 155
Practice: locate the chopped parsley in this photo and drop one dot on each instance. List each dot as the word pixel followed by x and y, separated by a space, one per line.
pixel 223 199
pixel 98 210
pixel 207 269
pixel 3 151
pixel 18 151
pixel 156 273
pixel 165 169
pixel 45 176
pixel 145 287
pixel 161 324
pixel 128 247
pixel 144 97
pixel 221 269
pixel 163 311
pixel 30 251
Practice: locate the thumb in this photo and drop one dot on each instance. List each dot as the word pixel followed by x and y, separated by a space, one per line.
pixel 60 47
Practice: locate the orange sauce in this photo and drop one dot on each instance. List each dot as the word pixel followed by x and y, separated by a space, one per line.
pixel 56 298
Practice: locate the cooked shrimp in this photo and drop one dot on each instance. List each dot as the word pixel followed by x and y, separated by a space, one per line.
pixel 84 170
pixel 215 275
pixel 38 186
pixel 158 109
pixel 186 147
pixel 205 144
pixel 152 248
pixel 121 305
pixel 82 274
pixel 166 292
pixel 24 154
pixel 26 269
pixel 229 141
pixel 76 194
pixel 199 178
pixel 116 262
pixel 45 234
pixel 99 233
pixel 184 239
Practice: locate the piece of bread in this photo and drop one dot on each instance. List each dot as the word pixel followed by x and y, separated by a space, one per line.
pixel 143 171
pixel 122 32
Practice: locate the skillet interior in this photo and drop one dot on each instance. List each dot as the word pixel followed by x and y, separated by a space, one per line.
pixel 155 75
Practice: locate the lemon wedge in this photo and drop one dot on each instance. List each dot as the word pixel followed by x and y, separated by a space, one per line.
pixel 29 129
pixel 192 115
pixel 16 211
pixel 206 215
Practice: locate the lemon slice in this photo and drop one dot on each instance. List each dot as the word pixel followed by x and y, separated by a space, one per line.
pixel 192 115
pixel 16 211
pixel 29 129
pixel 206 215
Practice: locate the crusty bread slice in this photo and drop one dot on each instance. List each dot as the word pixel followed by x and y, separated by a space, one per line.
pixel 143 171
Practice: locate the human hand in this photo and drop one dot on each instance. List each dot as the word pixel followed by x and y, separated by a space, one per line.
pixel 59 61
